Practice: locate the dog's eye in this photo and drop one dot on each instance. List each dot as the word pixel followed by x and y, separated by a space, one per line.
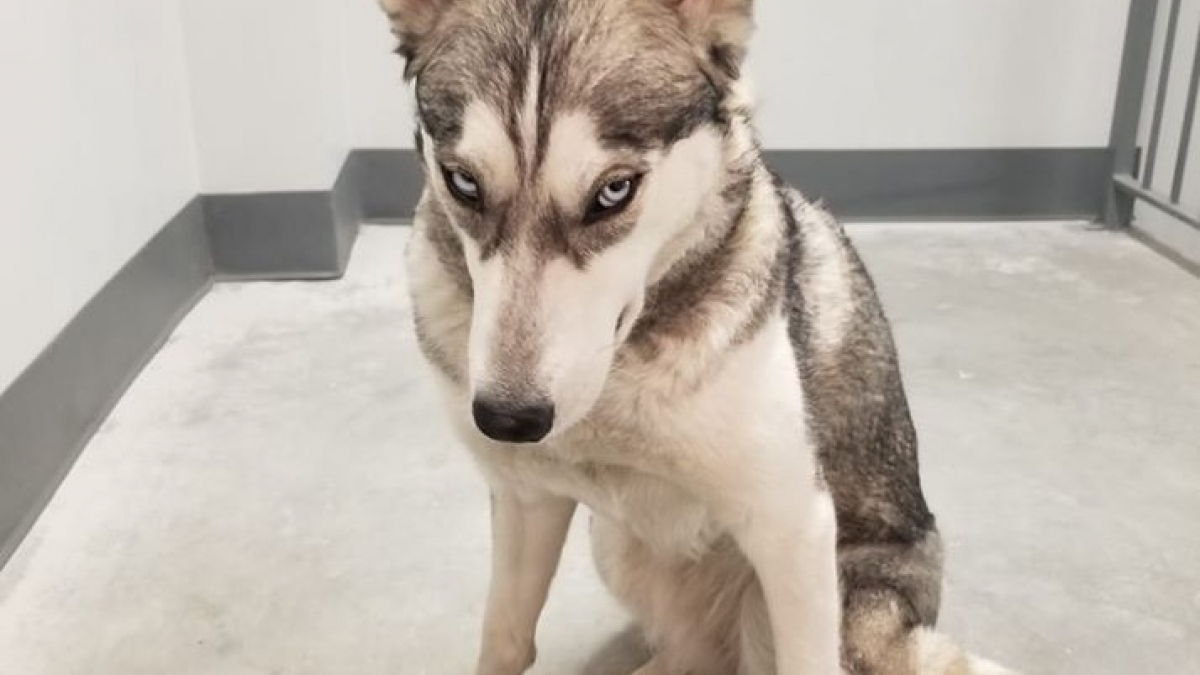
pixel 463 186
pixel 612 197
pixel 614 194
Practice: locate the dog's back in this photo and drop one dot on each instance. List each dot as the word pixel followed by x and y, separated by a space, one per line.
pixel 855 394
pixel 889 552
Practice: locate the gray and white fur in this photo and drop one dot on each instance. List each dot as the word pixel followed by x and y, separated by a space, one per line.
pixel 627 310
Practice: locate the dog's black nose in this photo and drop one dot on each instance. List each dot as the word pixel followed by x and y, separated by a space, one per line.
pixel 508 423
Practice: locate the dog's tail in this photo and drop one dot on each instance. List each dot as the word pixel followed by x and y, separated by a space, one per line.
pixel 939 655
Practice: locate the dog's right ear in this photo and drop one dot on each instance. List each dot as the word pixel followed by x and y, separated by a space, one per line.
pixel 412 22
pixel 719 27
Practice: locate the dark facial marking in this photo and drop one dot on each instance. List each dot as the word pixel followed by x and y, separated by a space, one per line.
pixel 419 142
pixel 552 57
pixel 677 305
pixel 440 111
pixel 727 59
pixel 628 65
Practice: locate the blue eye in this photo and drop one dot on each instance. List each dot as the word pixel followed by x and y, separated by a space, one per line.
pixel 612 197
pixel 462 185
pixel 614 194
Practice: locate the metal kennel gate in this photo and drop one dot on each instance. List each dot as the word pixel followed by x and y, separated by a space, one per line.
pixel 1133 171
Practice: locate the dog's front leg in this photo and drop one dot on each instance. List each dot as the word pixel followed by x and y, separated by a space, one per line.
pixel 528 532
pixel 788 533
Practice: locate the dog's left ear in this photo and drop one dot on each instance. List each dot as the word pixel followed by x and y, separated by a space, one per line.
pixel 720 27
pixel 412 22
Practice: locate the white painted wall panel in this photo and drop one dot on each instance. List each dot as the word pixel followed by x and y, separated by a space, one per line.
pixel 378 102
pixel 95 154
pixel 838 74
pixel 938 73
pixel 266 80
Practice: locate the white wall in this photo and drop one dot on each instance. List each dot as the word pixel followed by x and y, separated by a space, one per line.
pixel 115 113
pixel 378 101
pixel 95 154
pixel 266 78
pixel 839 74
pixel 938 73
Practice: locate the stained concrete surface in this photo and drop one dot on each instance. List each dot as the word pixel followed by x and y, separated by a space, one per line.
pixel 279 494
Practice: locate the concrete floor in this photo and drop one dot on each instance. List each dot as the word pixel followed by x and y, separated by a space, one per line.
pixel 278 493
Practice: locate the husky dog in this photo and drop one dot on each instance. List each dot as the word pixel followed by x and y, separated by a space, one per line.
pixel 627 310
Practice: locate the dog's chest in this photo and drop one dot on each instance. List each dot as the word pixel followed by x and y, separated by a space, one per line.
pixel 660 514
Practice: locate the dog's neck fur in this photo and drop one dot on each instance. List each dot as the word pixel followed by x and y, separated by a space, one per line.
pixel 712 293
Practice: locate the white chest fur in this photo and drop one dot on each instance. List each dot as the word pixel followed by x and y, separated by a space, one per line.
pixel 653 455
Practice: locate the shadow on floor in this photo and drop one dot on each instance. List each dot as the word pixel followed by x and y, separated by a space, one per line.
pixel 620 655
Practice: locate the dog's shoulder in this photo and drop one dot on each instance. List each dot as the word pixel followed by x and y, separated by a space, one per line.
pixel 852 382
pixel 830 291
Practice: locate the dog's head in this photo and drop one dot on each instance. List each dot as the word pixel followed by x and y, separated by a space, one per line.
pixel 572 144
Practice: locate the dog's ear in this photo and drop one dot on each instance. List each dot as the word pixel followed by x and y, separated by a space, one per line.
pixel 720 27
pixel 412 22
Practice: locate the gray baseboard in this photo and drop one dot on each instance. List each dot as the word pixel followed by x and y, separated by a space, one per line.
pixel 390 183
pixel 51 411
pixel 346 205
pixel 951 185
pixel 867 185
pixel 286 235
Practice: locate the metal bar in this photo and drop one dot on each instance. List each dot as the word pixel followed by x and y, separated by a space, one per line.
pixel 1160 97
pixel 1131 90
pixel 1185 136
pixel 1129 185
